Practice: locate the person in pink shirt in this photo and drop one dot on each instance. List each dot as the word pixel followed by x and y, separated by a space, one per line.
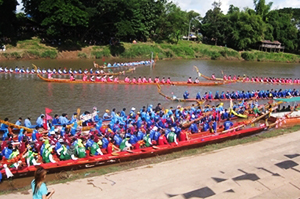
pixel 156 80
pixel 110 79
pixel 72 78
pixel 163 81
pixel 98 78
pixel 190 80
pixel 140 80
pixel 127 80
pixel 229 77
pixel 103 79
pixel 144 80
pixel 84 78
pixel 234 78
pixel 150 80
pixel 134 80
pixel 225 77
pixel 169 80
pixel 116 79
pixel 213 76
pixel 50 76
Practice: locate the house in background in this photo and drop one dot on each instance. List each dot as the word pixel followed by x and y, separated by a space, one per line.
pixel 275 46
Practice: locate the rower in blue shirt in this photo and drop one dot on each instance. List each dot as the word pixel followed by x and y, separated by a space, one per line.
pixel 227 124
pixel 40 121
pixel 217 95
pixel 186 95
pixel 198 96
pixel 206 126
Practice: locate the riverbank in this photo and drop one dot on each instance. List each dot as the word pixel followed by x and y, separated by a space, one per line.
pixel 34 49
pixel 267 168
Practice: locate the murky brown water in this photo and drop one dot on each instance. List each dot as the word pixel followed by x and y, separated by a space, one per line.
pixel 24 95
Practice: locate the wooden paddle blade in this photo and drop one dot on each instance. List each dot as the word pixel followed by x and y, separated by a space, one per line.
pixel 155 147
pixel 78 112
pixel 115 154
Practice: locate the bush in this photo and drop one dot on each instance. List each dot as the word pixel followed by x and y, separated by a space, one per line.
pixel 33 53
pixel 49 54
pixel 248 56
pixel 15 55
pixel 82 55
pixel 215 55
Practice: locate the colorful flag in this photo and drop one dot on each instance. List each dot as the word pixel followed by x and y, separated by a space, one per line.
pixel 48 117
pixel 48 110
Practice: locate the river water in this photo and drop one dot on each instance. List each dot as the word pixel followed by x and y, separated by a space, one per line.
pixel 25 95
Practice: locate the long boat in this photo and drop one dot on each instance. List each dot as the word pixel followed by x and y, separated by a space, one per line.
pixel 176 99
pixel 196 140
pixel 243 80
pixel 175 83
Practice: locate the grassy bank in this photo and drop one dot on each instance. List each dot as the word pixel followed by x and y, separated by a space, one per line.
pixel 70 176
pixel 33 49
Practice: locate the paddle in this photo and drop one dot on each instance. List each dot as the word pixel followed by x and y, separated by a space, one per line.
pixel 16 126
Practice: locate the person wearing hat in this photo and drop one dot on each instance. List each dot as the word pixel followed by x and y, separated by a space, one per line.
pixel 125 145
pixel 147 139
pixel 186 95
pixel 106 116
pixel 80 149
pixel 31 157
pixel 47 154
pixel 172 137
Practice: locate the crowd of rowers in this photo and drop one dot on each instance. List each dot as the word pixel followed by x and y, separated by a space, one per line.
pixel 127 79
pixel 66 71
pixel 260 79
pixel 125 131
pixel 239 95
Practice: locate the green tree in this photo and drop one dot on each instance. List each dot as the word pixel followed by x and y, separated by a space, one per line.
pixel 284 29
pixel 58 16
pixel 247 29
pixel 214 23
pixel 262 9
pixel 8 17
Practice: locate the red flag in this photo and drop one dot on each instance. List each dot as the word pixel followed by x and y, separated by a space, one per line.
pixel 48 117
pixel 45 124
pixel 48 110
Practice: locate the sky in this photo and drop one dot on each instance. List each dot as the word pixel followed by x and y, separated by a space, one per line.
pixel 202 6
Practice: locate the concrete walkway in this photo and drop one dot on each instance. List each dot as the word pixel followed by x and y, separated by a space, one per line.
pixel 266 169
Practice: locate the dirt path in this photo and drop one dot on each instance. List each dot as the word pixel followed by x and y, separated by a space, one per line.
pixel 266 169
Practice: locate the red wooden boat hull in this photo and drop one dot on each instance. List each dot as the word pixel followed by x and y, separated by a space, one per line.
pixel 87 162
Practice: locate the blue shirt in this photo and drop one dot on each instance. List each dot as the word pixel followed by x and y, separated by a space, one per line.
pixel 42 190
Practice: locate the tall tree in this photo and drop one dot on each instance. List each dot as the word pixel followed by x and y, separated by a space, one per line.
pixel 8 17
pixel 58 16
pixel 262 9
pixel 213 23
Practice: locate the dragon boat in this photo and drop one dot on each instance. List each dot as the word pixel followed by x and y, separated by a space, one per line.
pixel 244 80
pixel 195 140
pixel 238 130
pixel 174 83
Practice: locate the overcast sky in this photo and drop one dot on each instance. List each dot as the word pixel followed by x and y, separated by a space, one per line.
pixel 201 6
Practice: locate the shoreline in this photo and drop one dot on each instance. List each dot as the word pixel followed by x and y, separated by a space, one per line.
pixel 32 50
